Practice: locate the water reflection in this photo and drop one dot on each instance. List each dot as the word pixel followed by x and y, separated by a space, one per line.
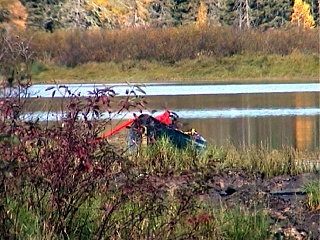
pixel 305 127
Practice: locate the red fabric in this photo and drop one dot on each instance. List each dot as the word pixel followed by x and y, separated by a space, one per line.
pixel 118 128
pixel 164 118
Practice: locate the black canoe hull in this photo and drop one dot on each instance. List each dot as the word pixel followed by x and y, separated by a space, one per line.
pixel 152 130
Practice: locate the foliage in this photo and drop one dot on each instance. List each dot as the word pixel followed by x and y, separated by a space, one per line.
pixel 16 57
pixel 50 173
pixel 202 15
pixel 261 159
pixel 257 14
pixel 313 194
pixel 301 14
pixel 83 14
pixel 169 45
pixel 13 12
pixel 242 224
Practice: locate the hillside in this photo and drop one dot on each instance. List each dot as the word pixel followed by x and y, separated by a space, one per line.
pixel 114 14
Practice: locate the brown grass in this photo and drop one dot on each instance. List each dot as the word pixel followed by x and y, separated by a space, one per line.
pixel 71 48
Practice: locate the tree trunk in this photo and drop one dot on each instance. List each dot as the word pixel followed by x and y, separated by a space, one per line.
pixel 247 14
pixel 318 20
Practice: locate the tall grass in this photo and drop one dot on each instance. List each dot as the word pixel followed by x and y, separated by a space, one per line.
pixel 165 158
pixel 313 194
pixel 262 159
pixel 169 44
pixel 177 216
pixel 241 224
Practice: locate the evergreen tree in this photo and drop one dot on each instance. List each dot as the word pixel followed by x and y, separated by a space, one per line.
pixel 184 11
pixel 173 12
pixel 271 13
pixel 42 13
pixel 260 13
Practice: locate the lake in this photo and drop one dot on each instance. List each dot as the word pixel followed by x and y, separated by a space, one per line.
pixel 271 115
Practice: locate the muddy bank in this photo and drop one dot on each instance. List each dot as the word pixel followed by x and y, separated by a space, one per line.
pixel 282 198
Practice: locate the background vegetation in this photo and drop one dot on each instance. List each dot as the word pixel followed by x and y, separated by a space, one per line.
pixel 152 40
pixel 178 54
pixel 110 14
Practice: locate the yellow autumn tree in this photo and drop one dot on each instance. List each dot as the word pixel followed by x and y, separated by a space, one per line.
pixel 302 15
pixel 17 13
pixel 127 13
pixel 202 15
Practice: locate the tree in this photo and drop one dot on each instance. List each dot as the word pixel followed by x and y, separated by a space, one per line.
pixel 16 57
pixel 314 10
pixel 302 15
pixel 213 11
pixel 237 13
pixel 13 12
pixel 183 11
pixel 41 12
pixel 270 14
pixel 202 15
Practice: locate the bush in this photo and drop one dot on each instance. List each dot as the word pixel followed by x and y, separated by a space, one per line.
pixel 168 45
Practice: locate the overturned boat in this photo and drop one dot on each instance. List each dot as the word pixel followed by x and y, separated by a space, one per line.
pixel 146 129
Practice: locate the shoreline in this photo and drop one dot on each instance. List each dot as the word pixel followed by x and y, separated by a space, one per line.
pixel 286 80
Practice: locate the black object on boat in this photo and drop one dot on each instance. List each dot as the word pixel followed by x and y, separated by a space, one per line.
pixel 146 129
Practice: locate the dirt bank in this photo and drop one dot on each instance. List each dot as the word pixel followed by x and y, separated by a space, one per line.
pixel 282 198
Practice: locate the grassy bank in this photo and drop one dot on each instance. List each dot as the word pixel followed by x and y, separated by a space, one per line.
pixel 149 195
pixel 235 69
pixel 181 54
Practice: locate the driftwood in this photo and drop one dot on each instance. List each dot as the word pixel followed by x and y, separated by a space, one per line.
pixel 289 192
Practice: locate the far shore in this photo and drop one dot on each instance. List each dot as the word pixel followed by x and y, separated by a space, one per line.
pixel 232 70
pixel 186 81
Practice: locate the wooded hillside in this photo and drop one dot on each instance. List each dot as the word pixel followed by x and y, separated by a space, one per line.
pixel 111 14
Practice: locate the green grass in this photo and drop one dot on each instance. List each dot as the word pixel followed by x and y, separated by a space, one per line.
pixel 271 162
pixel 163 158
pixel 313 194
pixel 234 69
pixel 169 216
pixel 239 223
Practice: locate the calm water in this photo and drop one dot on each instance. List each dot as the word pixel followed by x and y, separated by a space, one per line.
pixel 272 115
pixel 178 89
